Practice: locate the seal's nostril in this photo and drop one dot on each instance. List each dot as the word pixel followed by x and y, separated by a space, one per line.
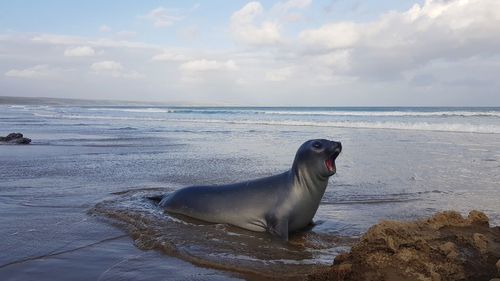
pixel 337 146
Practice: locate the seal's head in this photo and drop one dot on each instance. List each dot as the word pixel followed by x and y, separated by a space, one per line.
pixel 317 157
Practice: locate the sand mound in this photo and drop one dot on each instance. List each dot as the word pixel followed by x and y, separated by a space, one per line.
pixel 443 247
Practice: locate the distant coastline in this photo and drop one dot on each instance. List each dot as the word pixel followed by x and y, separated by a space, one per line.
pixel 11 100
pixel 89 102
pixel 68 101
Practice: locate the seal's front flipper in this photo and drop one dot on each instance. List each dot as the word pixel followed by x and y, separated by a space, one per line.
pixel 309 226
pixel 278 227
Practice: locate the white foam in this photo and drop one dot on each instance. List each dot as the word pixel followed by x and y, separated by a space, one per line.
pixel 417 126
pixel 388 113
pixel 98 117
pixel 332 112
pixel 17 106
pixel 138 110
pixel 324 256
pixel 29 107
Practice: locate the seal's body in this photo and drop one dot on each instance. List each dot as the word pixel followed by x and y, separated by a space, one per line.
pixel 278 204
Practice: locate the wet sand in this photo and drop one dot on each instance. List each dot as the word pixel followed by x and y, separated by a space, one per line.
pixel 81 159
pixel 118 259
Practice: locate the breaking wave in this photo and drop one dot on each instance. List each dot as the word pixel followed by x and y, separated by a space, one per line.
pixel 139 110
pixel 418 126
pixel 393 125
pixel 389 113
pixel 331 112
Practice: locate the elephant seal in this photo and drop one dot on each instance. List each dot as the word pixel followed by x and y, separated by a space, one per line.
pixel 278 204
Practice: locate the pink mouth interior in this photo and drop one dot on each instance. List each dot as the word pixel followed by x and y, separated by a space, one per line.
pixel 330 165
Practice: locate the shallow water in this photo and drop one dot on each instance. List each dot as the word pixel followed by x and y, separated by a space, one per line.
pixel 87 164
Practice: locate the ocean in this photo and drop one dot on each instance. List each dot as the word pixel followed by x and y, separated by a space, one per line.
pixel 73 202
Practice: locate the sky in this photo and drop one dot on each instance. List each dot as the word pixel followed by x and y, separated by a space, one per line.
pixel 263 53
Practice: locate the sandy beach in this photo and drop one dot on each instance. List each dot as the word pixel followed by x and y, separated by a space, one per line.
pixel 80 185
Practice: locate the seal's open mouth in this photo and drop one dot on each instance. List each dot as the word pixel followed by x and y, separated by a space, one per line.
pixel 330 162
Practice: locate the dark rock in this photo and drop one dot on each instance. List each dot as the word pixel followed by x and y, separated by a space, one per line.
pixel 14 138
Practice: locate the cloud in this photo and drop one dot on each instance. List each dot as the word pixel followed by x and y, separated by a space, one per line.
pixel 57 39
pixel 401 41
pixel 294 17
pixel 434 53
pixel 170 56
pixel 245 30
pixel 107 66
pixel 81 51
pixel 34 72
pixel 332 36
pixel 337 58
pixel 279 75
pixel 293 4
pixel 113 69
pixel 208 71
pixel 161 17
pixel 208 65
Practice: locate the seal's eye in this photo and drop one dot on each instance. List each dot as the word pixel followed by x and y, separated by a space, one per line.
pixel 317 144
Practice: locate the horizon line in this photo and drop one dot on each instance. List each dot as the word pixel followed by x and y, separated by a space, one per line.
pixel 18 100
